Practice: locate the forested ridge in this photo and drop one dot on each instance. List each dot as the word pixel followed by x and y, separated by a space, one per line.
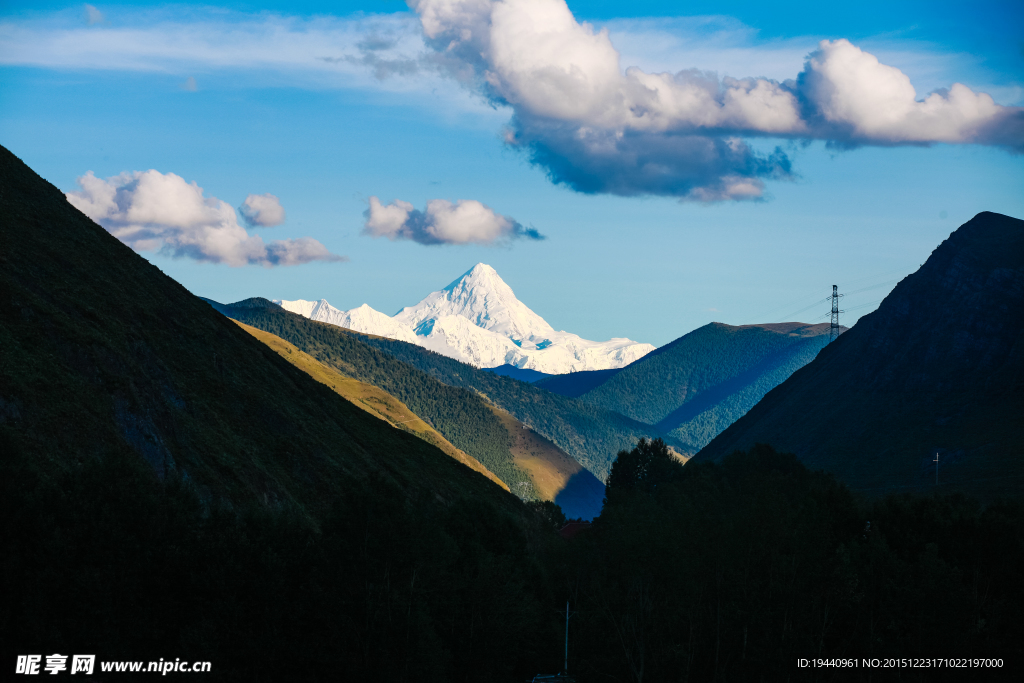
pixel 694 387
pixel 459 414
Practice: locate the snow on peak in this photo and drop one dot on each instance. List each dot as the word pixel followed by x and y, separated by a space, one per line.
pixel 477 319
pixel 483 298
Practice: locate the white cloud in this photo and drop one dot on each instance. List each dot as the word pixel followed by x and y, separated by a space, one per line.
pixel 93 16
pixel 263 210
pixel 377 52
pixel 465 221
pixel 149 210
pixel 639 106
pixel 857 99
pixel 600 128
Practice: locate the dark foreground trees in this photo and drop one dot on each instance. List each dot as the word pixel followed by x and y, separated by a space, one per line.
pixel 111 562
pixel 734 571
pixel 703 572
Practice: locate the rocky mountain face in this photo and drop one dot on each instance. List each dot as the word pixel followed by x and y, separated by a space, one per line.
pixel 936 372
pixel 477 319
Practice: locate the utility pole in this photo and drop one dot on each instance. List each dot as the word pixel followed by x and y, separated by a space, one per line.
pixel 566 668
pixel 936 461
pixel 833 332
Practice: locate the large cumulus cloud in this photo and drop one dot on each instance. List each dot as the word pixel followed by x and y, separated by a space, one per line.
pixel 465 221
pixel 149 210
pixel 597 127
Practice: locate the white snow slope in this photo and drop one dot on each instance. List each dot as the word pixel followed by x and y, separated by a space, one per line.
pixel 478 320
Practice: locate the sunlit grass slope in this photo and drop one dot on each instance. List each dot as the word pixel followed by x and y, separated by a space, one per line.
pixel 372 399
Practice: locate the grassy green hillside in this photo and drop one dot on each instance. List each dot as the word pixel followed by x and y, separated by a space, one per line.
pixel 938 368
pixel 696 386
pixel 554 475
pixel 591 435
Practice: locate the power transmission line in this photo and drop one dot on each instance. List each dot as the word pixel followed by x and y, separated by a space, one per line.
pixel 811 304
pixel 870 303
pixel 876 275
pixel 789 316
pixel 881 284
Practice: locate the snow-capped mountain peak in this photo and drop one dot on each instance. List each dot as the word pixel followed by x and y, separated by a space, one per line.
pixel 477 319
pixel 483 298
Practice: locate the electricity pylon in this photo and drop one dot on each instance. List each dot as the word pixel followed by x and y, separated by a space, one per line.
pixel 833 332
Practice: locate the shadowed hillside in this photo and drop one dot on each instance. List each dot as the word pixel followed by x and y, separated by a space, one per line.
pixel 575 384
pixel 555 476
pixel 696 386
pixel 938 368
pixel 523 374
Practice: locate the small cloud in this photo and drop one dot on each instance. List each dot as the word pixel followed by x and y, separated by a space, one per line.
pixel 374 42
pixel 93 16
pixel 189 85
pixel 149 210
pixel 714 310
pixel 381 67
pixel 262 211
pixel 465 221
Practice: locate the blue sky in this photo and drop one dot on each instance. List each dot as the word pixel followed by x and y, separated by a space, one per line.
pixel 238 98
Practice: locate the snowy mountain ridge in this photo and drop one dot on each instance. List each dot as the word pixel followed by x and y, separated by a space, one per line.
pixel 477 319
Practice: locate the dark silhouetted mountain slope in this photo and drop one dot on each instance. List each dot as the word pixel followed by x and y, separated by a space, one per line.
pixel 693 388
pixel 938 368
pixel 102 353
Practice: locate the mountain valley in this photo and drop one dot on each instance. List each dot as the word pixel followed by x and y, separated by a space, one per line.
pixel 244 485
